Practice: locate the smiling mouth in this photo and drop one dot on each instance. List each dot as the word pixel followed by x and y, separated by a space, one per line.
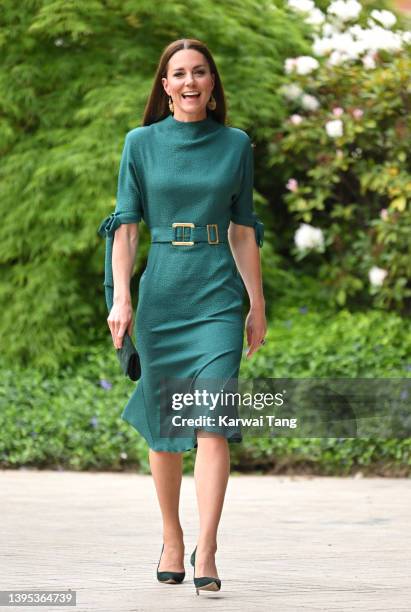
pixel 185 96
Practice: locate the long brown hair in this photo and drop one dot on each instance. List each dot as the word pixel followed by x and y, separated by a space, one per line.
pixel 157 104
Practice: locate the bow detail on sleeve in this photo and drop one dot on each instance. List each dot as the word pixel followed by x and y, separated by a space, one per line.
pixel 107 230
pixel 258 230
pixel 109 225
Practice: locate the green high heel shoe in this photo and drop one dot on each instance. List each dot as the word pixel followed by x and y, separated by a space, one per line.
pixel 204 583
pixel 169 577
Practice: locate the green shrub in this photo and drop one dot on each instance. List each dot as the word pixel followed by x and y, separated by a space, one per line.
pixel 345 154
pixel 67 100
pixel 72 421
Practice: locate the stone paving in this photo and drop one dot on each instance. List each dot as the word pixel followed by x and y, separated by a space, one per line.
pixel 286 543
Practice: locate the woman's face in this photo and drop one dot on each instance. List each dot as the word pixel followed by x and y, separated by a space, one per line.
pixel 188 71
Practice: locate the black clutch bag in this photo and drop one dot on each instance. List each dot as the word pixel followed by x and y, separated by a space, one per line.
pixel 127 355
pixel 129 359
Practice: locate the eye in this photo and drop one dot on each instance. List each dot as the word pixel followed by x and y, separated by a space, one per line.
pixel 201 71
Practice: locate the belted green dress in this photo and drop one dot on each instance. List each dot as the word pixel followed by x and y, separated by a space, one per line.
pixel 189 321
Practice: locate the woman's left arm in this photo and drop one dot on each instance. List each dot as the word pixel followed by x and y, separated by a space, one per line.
pixel 246 254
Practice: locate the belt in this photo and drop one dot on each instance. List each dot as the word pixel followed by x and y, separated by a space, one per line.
pixel 187 234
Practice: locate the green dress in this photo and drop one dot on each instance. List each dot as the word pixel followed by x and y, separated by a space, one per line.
pixel 189 318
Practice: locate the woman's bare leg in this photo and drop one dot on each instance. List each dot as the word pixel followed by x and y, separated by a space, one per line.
pixel 211 472
pixel 166 469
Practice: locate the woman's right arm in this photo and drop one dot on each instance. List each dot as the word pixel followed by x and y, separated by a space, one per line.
pixel 120 318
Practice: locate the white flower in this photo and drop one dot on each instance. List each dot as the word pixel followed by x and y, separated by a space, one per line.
pixel 290 64
pixel 334 128
pixel 355 30
pixel 123 455
pixel 322 46
pixel 387 40
pixel 369 61
pixel 377 275
pixel 345 10
pixel 304 6
pixel 296 119
pixel 386 18
pixel 304 64
pixel 308 237
pixel 309 103
pixel 329 29
pixel 291 91
pixel 341 45
pixel 346 44
pixel 315 17
pixel 377 37
pixel 355 41
pixel 336 58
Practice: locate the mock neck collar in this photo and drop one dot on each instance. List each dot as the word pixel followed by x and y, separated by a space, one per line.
pixel 189 127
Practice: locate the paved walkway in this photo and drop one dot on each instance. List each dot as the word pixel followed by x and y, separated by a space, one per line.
pixel 285 543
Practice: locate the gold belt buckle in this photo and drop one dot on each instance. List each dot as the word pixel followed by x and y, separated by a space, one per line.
pixel 183 242
pixel 215 226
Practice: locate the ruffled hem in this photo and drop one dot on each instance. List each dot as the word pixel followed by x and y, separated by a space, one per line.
pixel 171 446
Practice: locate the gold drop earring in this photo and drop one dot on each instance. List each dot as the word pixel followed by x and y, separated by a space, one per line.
pixel 170 104
pixel 212 103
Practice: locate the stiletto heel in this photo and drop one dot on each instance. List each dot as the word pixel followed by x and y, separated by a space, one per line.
pixel 169 577
pixel 204 583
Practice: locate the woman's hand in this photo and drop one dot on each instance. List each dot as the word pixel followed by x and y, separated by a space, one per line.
pixel 256 328
pixel 120 320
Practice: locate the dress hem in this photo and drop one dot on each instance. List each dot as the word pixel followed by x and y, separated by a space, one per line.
pixel 230 440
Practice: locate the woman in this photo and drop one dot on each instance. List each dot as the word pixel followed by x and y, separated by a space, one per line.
pixel 184 166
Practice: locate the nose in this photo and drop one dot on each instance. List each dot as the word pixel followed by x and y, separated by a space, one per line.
pixel 189 78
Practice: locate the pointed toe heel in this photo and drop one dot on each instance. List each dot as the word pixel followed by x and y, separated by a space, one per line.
pixel 169 577
pixel 204 583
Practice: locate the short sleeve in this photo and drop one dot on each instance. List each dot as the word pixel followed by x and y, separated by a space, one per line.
pixel 242 207
pixel 129 197
pixel 128 209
